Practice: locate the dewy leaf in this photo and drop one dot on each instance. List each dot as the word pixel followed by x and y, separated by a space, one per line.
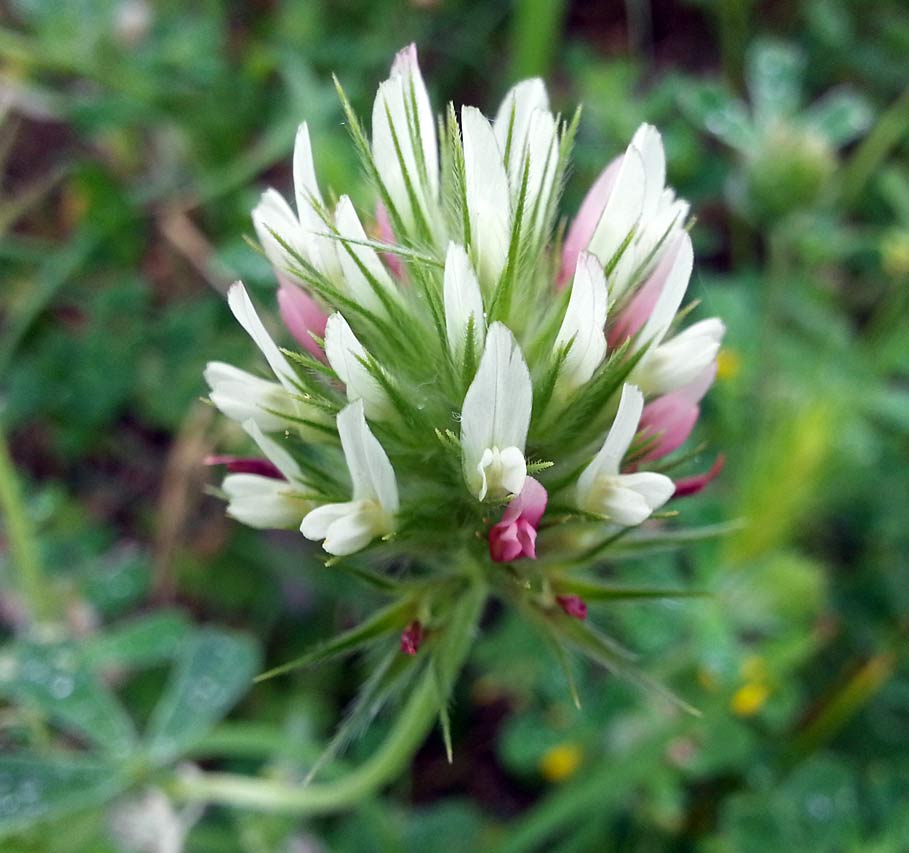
pixel 145 641
pixel 35 788
pixel 55 680
pixel 774 76
pixel 213 671
pixel 840 116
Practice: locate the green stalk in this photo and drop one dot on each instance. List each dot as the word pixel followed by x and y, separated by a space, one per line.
pixel 33 586
pixel 406 735
pixel 891 127
pixel 535 35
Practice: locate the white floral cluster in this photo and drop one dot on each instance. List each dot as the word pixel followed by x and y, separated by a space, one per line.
pixel 455 349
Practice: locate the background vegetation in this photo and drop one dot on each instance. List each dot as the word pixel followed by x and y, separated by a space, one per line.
pixel 135 139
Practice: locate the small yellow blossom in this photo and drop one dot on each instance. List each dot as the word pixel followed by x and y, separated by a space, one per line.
pixel 728 364
pixel 749 698
pixel 560 762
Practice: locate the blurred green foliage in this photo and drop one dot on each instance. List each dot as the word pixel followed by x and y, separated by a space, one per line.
pixel 135 137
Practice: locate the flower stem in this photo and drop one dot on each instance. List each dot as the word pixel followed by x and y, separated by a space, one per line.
pixel 406 736
pixel 31 581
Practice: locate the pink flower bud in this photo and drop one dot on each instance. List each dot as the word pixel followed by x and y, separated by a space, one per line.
pixel 302 316
pixel 671 418
pixel 585 223
pixel 411 638
pixel 692 485
pixel 573 605
pixel 242 465
pixel 516 534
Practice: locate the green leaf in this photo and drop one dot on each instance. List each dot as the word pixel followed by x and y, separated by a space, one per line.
pixel 145 641
pixel 774 77
pixel 56 680
pixel 34 788
pixel 388 619
pixel 213 671
pixel 840 117
pixel 596 590
pixel 714 109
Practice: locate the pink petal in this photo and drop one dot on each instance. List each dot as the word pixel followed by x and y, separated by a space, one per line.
pixel 241 465
pixel 405 60
pixel 636 312
pixel 573 605
pixel 692 485
pixel 585 223
pixel 302 316
pixel 412 638
pixel 672 417
pixel 386 235
pixel 516 534
pixel 503 543
pixel 527 537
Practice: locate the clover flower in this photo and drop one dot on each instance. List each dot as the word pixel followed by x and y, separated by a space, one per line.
pixel 469 392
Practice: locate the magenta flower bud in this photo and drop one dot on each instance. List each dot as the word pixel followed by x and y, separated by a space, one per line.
pixel 671 418
pixel 516 534
pixel 692 485
pixel 573 605
pixel 302 316
pixel 246 465
pixel 412 638
pixel 386 235
pixel 585 223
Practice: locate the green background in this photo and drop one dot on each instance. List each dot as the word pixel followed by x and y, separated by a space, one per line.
pixel 135 140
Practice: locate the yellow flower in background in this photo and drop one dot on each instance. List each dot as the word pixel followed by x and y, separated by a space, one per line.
pixel 749 698
pixel 728 364
pixel 560 762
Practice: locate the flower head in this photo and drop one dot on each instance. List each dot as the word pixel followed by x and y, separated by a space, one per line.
pixel 450 374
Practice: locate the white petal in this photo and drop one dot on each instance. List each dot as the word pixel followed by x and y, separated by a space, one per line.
pixel 356 258
pixel 681 360
pixel 655 488
pixel 513 121
pixel 671 296
pixel 241 396
pixel 514 469
pixel 346 355
pixel 263 502
pixel 462 298
pixel 370 471
pixel 623 209
pixel 584 322
pixel 246 315
pixel 277 455
pixel 622 506
pixel 542 150
pixel 322 249
pixel 488 197
pixel 408 68
pixel 496 410
pixel 273 216
pixel 606 463
pixel 393 120
pixel 351 533
pixel 315 525
pixel 649 144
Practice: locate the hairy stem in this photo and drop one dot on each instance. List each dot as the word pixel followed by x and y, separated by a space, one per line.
pixel 406 735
